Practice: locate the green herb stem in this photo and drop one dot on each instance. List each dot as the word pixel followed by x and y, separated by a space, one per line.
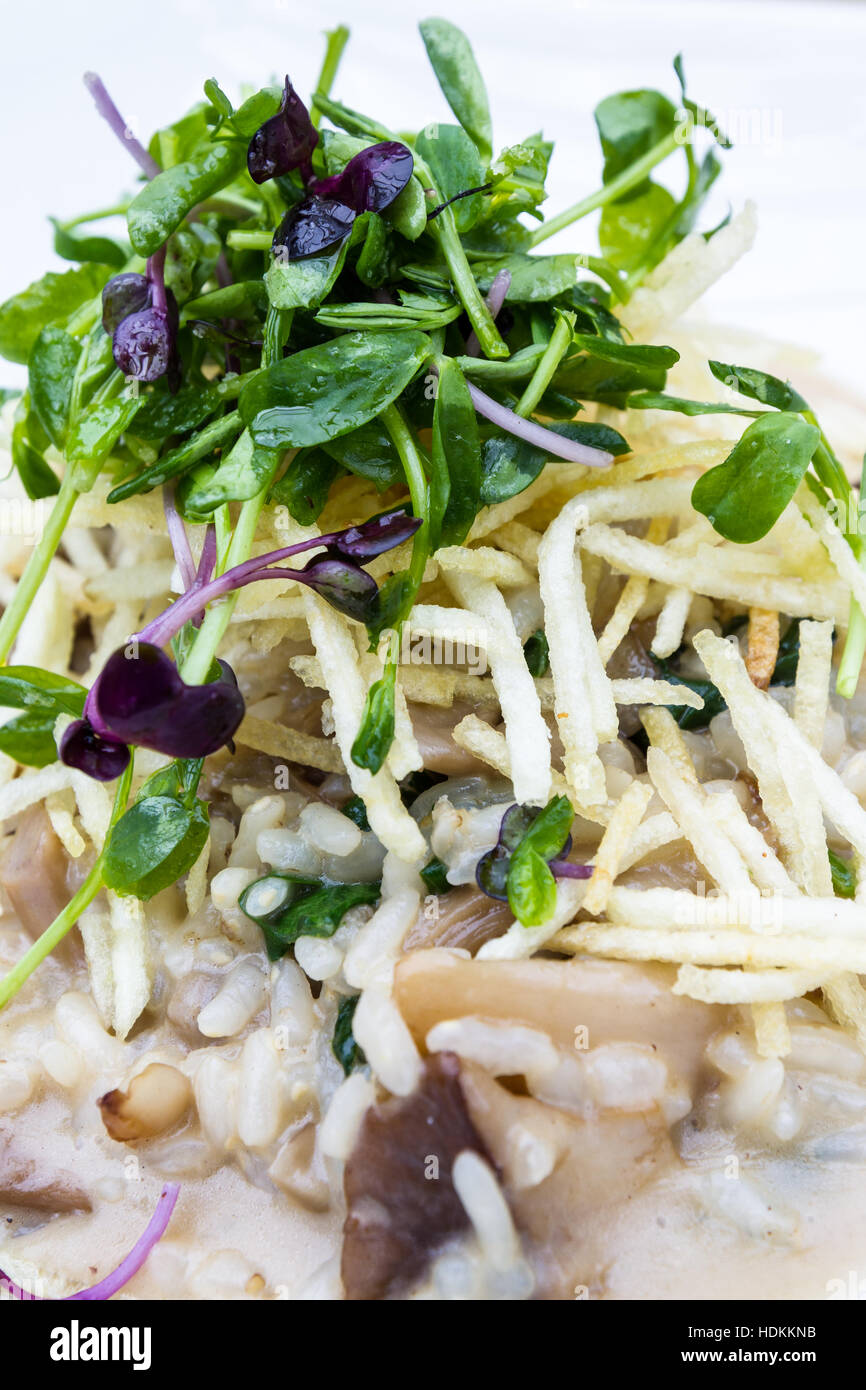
pixel 609 192
pixel 419 490
pixel 37 566
pixel 470 296
pixel 250 241
pixel 337 40
pixel 560 342
pixel 65 921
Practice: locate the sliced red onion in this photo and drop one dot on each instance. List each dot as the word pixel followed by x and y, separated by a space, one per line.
pixel 533 433
pixel 178 537
pixel 112 1283
pixel 496 296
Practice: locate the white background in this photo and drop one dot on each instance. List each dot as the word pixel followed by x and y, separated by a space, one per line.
pixel 788 77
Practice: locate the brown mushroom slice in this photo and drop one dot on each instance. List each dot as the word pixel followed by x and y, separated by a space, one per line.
pixel 402 1206
pixel 577 1003
pixel 33 872
pixel 465 917
pixel 25 1183
pixel 433 728
pixel 595 1166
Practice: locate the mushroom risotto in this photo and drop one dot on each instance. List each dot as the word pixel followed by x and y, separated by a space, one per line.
pixel 433 766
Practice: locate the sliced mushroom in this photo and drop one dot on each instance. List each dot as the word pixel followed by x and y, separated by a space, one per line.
pixel 155 1100
pixel 33 872
pixel 465 917
pixel 25 1183
pixel 433 728
pixel 402 1206
pixel 299 1171
pixel 578 1003
pixel 591 1168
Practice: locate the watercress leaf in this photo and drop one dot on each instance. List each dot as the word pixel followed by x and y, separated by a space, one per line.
pixel 745 496
pixel 53 299
pixel 457 72
pixel 759 386
pixel 305 485
pixel 50 374
pixel 368 452
pixel 343 1045
pixel 533 278
pixel 376 733
pixel 455 481
pixel 629 124
pixel 163 203
pixel 628 227
pixel 156 841
pixel 243 472
pixel 455 165
pixel 37 478
pixel 32 688
pixel 537 653
pixel 531 887
pixel 94 433
pixel 78 246
pixel 323 392
pixel 29 739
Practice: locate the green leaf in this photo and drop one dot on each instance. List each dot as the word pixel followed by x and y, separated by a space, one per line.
pixel 256 110
pixel 32 688
pixel 323 392
pixel 77 246
pixel 509 465
pixel 608 372
pixel 408 212
pixel 629 125
pixel 843 875
pixel 457 72
pixel 242 473
pixel 531 885
pixel 180 460
pixel 303 907
pixel 305 485
pixel 29 739
pixel 182 139
pixel 343 1046
pixel 376 733
pixel 455 165
pixel 37 478
pixel 537 653
pixel 304 284
pixel 435 877
pixel 745 496
pixel 95 432
pixel 51 374
pixel 369 453
pixel 163 203
pixel 657 400
pixel 355 811
pixel 47 301
pixel 533 278
pixel 455 482
pixel 759 386
pixel 156 841
pixel 628 227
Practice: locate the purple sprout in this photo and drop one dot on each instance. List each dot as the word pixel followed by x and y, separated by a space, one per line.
pixel 285 142
pixel 142 316
pixel 109 112
pixel 369 183
pixel 140 698
pixel 491 872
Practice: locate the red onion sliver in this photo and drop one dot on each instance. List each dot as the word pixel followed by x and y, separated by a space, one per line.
pixel 178 537
pixel 495 300
pixel 112 1283
pixel 542 438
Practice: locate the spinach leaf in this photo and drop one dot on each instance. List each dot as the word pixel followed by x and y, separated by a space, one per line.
pixel 163 203
pixel 29 739
pixel 343 1046
pixel 156 841
pixel 537 653
pixel 629 226
pixel 629 125
pixel 37 478
pixel 75 246
pixel 759 386
pixel 369 453
pixel 53 299
pixel 455 165
pixel 304 284
pixel 355 811
pixel 95 432
pixel 745 496
pixel 305 485
pixel 457 72
pixel 242 473
pixel 323 392
pixel 51 374
pixel 408 212
pixel 162 413
pixel 301 907
pixel 455 482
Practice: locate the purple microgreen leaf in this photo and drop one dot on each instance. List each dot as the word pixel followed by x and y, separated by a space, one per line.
pixel 560 868
pixel 285 142
pixel 99 757
pixel 141 698
pixel 143 346
pixel 312 227
pixel 373 537
pixel 372 179
pixel 123 295
pixel 344 586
